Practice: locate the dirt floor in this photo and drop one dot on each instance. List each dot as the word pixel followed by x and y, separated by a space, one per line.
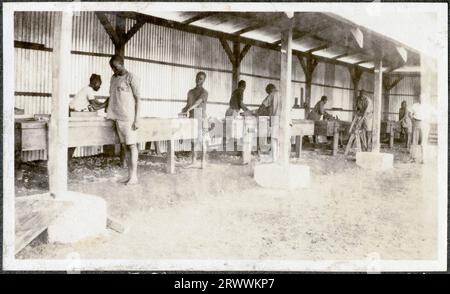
pixel 220 212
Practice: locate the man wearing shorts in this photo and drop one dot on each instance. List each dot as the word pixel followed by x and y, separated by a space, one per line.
pixel 123 109
pixel 365 110
pixel 196 108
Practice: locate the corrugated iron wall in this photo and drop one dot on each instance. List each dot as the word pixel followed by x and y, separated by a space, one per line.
pixel 408 89
pixel 166 62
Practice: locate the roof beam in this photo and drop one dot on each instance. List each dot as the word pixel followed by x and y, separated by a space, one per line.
pixel 244 51
pixel 136 27
pixel 362 61
pixel 197 17
pixel 341 55
pixel 228 50
pixel 258 25
pixel 108 27
pixel 226 36
pixel 325 46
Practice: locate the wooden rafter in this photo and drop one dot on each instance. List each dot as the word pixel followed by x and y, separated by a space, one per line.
pixel 387 85
pixel 197 17
pixel 136 27
pixel 228 50
pixel 244 51
pixel 362 61
pixel 227 36
pixel 325 46
pixel 108 27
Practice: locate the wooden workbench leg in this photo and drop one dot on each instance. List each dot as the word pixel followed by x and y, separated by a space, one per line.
pixel 358 143
pixel 246 148
pixel 157 148
pixel 349 144
pixel 204 153
pixel 391 138
pixel 335 142
pixel 298 146
pixel 170 156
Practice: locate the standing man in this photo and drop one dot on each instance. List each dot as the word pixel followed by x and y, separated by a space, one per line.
pixel 271 106
pixel 364 109
pixel 196 108
pixel 237 100
pixel 404 117
pixel 123 109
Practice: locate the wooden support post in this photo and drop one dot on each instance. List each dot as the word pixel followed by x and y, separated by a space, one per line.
pixel 355 75
pixel 59 122
pixel 236 74
pixel 388 85
pixel 308 65
pixel 377 95
pixel 298 146
pixel 120 31
pixel 170 156
pixel 235 56
pixel 391 136
pixel 335 139
pixel 285 95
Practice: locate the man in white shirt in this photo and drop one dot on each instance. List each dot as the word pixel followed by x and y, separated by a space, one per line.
pixel 419 120
pixel 420 126
pixel 85 98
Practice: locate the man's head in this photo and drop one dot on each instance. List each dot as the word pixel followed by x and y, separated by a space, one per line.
pixel 324 99
pixel 403 104
pixel 270 88
pixel 95 82
pixel 242 84
pixel 117 64
pixel 200 78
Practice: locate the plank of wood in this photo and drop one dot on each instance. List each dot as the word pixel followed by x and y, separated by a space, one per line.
pixel 170 156
pixel 33 214
pixel 94 131
pixel 114 225
pixel 298 146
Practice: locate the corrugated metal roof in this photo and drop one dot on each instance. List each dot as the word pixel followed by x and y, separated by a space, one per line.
pixel 311 30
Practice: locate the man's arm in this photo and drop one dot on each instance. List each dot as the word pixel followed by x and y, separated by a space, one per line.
pixel 241 102
pixel 197 102
pixel 135 88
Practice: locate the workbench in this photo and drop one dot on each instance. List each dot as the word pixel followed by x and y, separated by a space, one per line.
pixel 247 128
pixel 390 128
pixel 331 128
pixel 32 134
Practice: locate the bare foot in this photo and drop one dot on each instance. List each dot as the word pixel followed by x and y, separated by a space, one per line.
pixel 124 181
pixel 132 181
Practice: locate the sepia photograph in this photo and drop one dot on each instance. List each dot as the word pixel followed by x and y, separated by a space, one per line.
pixel 165 136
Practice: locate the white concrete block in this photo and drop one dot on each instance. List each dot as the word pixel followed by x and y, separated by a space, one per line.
pixel 374 160
pixel 84 219
pixel 276 176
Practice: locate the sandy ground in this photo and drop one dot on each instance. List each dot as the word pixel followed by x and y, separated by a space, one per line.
pixel 220 212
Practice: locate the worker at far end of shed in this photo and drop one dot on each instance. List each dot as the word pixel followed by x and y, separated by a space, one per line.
pixel 319 109
pixel 196 107
pixel 237 100
pixel 364 110
pixel 405 119
pixel 123 109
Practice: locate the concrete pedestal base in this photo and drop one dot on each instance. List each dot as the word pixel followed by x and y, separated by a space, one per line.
pixel 276 176
pixel 85 218
pixel 375 161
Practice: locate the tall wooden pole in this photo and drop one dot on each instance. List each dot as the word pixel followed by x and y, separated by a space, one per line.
pixel 377 96
pixel 59 123
pixel 285 95
pixel 236 73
